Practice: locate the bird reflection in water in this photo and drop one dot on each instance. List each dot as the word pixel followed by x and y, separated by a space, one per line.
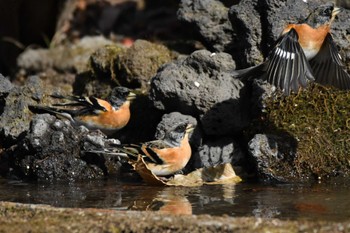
pixel 169 200
pixel 182 200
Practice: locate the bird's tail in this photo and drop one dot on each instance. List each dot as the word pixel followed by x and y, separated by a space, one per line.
pixel 122 151
pixel 65 113
pixel 249 73
pixel 74 100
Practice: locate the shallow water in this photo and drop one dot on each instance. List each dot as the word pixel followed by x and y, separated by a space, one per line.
pixel 283 201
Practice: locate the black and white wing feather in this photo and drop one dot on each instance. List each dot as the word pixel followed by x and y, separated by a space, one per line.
pixel 328 67
pixel 287 66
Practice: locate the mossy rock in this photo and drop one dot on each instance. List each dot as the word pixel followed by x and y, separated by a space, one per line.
pixel 318 121
pixel 140 63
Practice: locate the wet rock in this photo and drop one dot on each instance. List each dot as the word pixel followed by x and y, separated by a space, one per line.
pixel 274 156
pixel 218 151
pixel 210 18
pixel 15 117
pixel 140 63
pixel 52 151
pixel 201 86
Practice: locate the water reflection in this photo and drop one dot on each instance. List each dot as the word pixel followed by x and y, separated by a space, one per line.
pixel 170 200
pixel 328 202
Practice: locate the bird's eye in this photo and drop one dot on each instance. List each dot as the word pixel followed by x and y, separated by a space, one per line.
pixel 327 11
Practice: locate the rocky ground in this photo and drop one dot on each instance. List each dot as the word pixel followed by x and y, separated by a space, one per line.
pixel 178 58
pixel 16 217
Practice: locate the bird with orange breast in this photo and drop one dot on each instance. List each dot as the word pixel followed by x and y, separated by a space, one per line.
pixel 163 157
pixel 109 115
pixel 305 52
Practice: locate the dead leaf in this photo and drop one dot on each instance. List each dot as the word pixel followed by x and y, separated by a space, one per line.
pixel 221 174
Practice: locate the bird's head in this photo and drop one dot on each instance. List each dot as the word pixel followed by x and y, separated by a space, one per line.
pixel 175 135
pixel 119 95
pixel 323 14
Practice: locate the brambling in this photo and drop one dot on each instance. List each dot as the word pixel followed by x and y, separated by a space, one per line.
pixel 108 115
pixel 304 52
pixel 163 157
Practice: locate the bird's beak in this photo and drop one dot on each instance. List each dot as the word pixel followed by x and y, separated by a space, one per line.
pixel 336 11
pixel 189 128
pixel 131 96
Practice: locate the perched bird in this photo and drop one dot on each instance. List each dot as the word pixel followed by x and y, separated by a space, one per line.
pixel 304 52
pixel 108 115
pixel 163 157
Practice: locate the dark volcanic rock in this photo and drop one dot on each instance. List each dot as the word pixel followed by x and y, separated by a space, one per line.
pixel 201 86
pixel 210 18
pixel 259 23
pixel 340 32
pixel 15 116
pixel 218 151
pixel 5 88
pixel 5 85
pixel 52 150
pixel 274 156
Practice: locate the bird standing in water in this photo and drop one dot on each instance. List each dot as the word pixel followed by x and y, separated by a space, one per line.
pixel 163 157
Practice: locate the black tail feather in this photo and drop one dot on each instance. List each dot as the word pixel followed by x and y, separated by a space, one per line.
pixel 68 114
pixel 249 73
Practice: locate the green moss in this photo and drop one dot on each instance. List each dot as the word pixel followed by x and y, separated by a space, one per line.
pixel 319 119
pixel 140 63
pixel 103 59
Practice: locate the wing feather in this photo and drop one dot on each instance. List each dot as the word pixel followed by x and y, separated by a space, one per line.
pixel 328 66
pixel 288 68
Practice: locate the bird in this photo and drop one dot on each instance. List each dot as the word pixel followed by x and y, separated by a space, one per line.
pixel 163 157
pixel 305 52
pixel 108 116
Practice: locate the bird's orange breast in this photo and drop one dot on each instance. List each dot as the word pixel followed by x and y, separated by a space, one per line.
pixel 310 39
pixel 176 155
pixel 109 119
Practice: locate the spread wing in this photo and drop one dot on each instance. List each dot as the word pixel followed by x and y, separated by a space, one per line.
pixel 287 67
pixel 328 67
